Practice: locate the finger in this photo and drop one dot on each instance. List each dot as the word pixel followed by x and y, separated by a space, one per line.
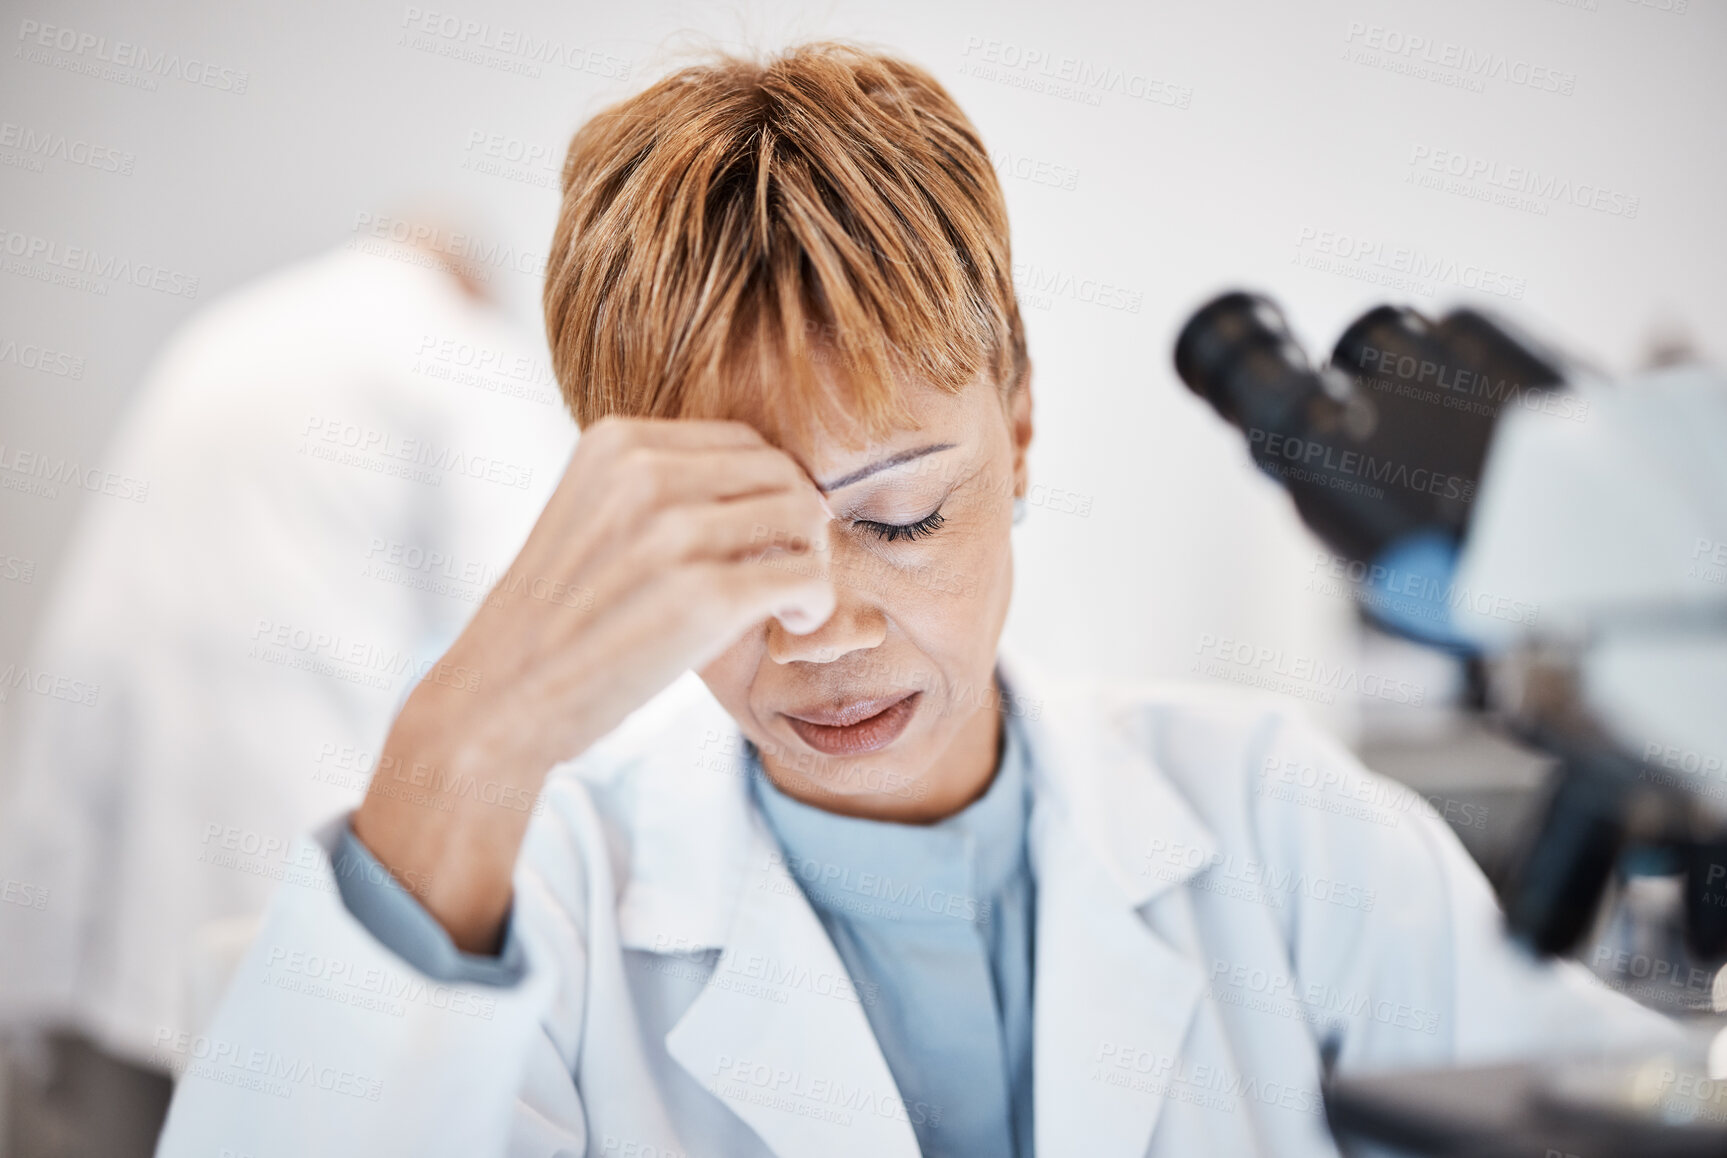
pixel 789 528
pixel 791 522
pixel 632 486
pixel 676 433
pixel 686 616
pixel 614 440
pixel 738 595
pixel 661 477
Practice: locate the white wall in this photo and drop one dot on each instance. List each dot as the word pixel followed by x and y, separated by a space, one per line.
pixel 1279 130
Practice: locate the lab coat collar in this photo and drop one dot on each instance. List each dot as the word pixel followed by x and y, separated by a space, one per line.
pixel 706 873
pixel 1091 767
pixel 779 1034
pixel 1113 997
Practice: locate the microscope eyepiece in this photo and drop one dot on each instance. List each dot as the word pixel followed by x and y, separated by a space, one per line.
pixel 1237 353
pixel 1382 448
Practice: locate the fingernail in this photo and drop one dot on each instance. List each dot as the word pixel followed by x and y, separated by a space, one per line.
pixel 822 499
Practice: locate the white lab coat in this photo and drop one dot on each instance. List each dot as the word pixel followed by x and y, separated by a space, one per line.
pixel 244 634
pixel 1203 922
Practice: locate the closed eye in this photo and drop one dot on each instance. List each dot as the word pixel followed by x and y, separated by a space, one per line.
pixel 928 525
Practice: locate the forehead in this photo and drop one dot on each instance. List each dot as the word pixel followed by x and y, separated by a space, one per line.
pixel 830 440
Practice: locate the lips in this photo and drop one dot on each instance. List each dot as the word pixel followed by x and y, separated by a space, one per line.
pixel 857 727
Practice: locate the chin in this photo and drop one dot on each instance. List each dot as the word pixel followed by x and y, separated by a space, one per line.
pixel 860 760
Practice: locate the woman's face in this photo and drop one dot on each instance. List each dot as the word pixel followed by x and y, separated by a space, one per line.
pixel 889 709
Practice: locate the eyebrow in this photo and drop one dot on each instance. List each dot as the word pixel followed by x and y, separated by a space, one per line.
pixel 887 463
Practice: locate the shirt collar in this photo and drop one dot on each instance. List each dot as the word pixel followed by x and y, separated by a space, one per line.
pixel 674 779
pixel 877 870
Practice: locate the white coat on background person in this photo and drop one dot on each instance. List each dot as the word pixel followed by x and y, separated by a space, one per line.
pixel 1221 888
pixel 339 459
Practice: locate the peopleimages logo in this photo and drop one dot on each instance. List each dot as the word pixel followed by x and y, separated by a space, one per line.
pixel 1461 65
pixel 896 897
pixel 492 369
pixel 1411 594
pixel 1040 285
pixel 42 144
pixel 355 660
pixel 446 34
pixel 40 473
pixel 88 49
pixel 1070 77
pixel 1314 1002
pixel 41 359
pixel 1400 267
pixel 88 269
pixel 267 1071
pixel 1323 460
pixel 476 256
pixel 20 677
pixel 1459 388
pixel 416 459
pixel 1304 677
pixel 1036 171
pixel 1515 186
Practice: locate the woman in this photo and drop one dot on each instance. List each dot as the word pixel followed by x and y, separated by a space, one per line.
pixel 861 889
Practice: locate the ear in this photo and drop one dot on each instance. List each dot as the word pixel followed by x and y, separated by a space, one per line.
pixel 1019 430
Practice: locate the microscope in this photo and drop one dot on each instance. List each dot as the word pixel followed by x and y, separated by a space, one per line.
pixel 1565 537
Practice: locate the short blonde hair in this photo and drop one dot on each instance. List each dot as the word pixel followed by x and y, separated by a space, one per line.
pixel 740 223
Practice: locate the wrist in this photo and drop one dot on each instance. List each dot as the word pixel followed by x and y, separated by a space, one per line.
pixel 446 813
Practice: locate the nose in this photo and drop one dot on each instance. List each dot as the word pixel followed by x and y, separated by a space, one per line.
pixel 856 625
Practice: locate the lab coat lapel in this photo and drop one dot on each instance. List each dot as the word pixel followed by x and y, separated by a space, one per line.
pixel 1113 997
pixel 778 1035
pixel 807 1073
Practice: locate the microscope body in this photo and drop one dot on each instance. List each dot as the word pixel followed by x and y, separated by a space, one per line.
pixel 1566 538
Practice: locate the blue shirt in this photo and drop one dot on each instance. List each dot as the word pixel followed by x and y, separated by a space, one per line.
pixel 935 926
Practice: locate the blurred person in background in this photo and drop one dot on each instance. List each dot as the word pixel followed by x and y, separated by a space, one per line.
pixel 338 459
